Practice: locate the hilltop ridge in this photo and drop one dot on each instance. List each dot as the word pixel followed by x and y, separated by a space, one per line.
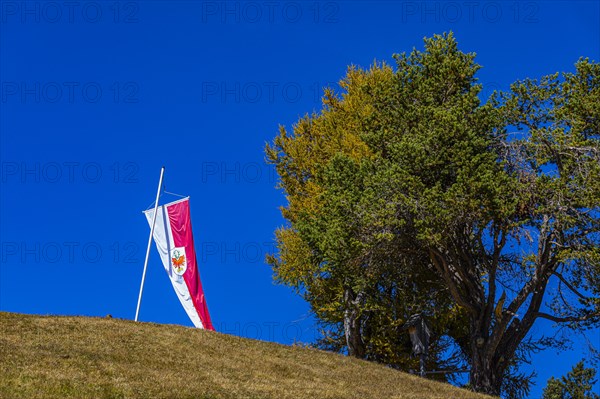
pixel 83 357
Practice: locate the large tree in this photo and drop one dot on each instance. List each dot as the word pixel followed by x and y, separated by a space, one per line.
pixel 340 250
pixel 407 194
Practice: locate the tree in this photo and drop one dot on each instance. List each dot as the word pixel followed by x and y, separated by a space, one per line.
pixel 406 189
pixel 577 384
pixel 341 250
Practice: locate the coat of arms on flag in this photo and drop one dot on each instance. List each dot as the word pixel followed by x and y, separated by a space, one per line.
pixel 178 262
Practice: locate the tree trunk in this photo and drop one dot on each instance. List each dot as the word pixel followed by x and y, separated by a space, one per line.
pixel 486 374
pixel 352 324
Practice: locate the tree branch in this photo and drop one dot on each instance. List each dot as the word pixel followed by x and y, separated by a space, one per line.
pixel 499 243
pixel 567 319
pixel 569 286
pixel 442 266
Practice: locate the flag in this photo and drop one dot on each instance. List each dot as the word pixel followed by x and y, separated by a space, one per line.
pixel 175 244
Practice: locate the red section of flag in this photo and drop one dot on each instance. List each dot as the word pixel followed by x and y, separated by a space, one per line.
pixel 181 228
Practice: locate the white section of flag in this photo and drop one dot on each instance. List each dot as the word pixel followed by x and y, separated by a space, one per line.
pixel 164 243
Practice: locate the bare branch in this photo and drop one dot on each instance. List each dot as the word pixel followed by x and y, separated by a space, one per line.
pixel 567 319
pixel 569 286
pixel 442 266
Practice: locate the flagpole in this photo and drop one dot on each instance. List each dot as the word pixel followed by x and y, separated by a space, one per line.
pixel 137 311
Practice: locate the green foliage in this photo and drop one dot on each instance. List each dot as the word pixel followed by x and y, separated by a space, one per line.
pixel 577 384
pixel 343 171
pixel 407 195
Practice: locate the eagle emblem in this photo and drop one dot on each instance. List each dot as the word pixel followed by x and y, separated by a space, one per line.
pixel 178 261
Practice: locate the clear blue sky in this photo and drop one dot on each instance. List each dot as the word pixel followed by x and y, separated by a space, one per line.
pixel 96 95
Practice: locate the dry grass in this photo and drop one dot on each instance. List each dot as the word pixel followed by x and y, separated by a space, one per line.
pixel 79 357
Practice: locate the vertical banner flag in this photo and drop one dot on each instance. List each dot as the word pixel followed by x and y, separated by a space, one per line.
pixel 175 244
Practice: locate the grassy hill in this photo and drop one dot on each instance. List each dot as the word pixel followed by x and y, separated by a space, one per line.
pixel 80 357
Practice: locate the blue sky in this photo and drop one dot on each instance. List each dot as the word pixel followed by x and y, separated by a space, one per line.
pixel 96 96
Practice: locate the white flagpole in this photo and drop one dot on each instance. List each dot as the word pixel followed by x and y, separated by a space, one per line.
pixel 137 311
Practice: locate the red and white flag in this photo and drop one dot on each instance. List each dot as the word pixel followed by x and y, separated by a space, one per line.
pixel 175 244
